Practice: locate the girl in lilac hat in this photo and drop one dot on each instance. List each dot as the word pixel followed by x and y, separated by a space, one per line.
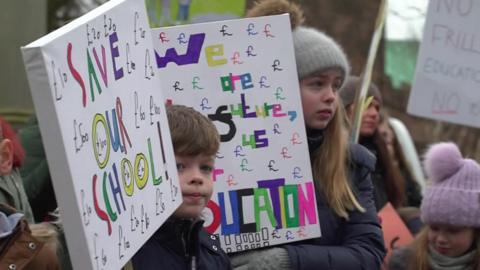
pixel 451 211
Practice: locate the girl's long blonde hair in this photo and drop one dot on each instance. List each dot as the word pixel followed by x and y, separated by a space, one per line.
pixel 419 251
pixel 330 167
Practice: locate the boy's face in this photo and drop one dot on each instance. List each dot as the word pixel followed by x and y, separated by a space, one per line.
pixel 195 176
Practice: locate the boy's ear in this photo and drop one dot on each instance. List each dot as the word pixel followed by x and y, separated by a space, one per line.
pixel 6 157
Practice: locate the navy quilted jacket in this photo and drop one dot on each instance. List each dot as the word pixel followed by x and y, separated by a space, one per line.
pixel 353 244
pixel 181 244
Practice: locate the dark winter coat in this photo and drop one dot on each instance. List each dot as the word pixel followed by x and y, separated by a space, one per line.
pixel 181 244
pixel 356 243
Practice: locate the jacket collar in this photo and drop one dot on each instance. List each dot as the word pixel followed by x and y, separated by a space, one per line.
pixel 180 235
pixel 315 139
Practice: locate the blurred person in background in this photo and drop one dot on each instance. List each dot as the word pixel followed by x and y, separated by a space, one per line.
pixel 12 156
pixel 35 173
pixel 392 179
pixel 402 148
pixel 39 187
pixel 21 246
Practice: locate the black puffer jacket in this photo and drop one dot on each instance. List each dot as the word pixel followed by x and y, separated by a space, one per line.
pixel 181 244
pixel 356 243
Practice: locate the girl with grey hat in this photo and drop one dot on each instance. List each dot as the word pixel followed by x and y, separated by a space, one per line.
pixel 351 234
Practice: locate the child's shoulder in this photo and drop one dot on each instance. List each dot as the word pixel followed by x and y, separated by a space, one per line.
pixel 361 156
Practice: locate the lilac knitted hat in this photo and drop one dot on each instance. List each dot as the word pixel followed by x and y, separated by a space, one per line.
pixel 454 196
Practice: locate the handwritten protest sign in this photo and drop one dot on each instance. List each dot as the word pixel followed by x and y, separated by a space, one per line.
pixel 395 232
pixel 448 68
pixel 103 123
pixel 242 74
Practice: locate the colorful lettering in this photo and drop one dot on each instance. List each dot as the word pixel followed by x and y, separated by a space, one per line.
pixel 228 82
pixel 262 193
pixel 192 55
pixel 76 75
pixel 285 206
pixel 91 73
pixel 100 213
pixel 118 73
pixel 215 51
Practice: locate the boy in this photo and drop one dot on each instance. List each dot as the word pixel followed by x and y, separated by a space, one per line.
pixel 181 242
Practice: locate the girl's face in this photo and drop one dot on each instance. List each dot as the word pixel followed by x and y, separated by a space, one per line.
pixel 370 118
pixel 319 97
pixel 449 240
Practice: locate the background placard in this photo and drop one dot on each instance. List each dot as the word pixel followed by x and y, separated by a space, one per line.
pixel 447 76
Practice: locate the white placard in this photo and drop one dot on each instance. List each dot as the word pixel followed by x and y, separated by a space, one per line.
pixel 447 77
pixel 102 118
pixel 242 74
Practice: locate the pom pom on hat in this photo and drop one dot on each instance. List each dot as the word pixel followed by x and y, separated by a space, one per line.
pixel 454 196
pixel 314 51
pixel 442 160
pixel 276 7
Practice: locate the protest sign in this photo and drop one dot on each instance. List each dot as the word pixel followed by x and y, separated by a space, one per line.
pixel 395 232
pixel 97 97
pixel 448 71
pixel 242 75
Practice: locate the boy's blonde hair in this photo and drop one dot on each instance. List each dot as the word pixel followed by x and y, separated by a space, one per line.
pixel 192 132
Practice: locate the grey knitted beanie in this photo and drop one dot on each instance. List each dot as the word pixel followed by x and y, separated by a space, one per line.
pixel 316 52
pixel 347 93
